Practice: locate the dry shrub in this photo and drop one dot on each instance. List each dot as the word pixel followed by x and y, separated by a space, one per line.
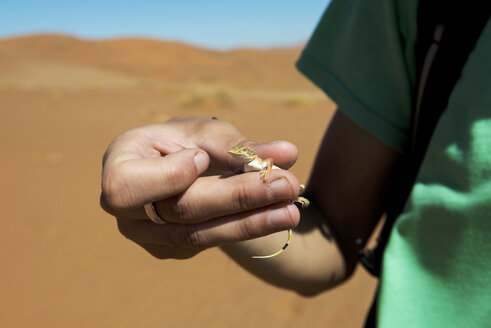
pixel 297 100
pixel 208 97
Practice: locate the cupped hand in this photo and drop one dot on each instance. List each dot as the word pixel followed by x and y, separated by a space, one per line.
pixel 170 164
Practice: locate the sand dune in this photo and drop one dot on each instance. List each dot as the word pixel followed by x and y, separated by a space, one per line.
pixel 146 58
pixel 64 264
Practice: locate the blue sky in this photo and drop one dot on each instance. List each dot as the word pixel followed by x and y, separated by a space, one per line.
pixel 215 24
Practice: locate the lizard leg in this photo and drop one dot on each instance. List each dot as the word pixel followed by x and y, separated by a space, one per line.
pixel 279 251
pixel 303 201
pixel 265 172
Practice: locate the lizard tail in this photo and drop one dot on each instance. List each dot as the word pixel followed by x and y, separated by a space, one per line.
pixel 290 233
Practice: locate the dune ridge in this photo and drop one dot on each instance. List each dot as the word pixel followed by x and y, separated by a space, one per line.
pixel 160 60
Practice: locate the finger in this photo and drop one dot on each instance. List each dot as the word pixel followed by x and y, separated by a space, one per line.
pixel 283 152
pixel 225 230
pixel 213 197
pixel 217 137
pixel 133 183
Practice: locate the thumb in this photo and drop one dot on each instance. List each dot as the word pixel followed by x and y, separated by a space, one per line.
pixel 133 183
pixel 283 153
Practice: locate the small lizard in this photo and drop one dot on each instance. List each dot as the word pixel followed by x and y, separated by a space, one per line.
pixel 252 162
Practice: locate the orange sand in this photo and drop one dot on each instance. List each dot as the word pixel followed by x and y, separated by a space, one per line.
pixel 64 264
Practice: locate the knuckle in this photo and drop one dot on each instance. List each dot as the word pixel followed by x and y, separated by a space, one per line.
pixel 172 210
pixel 226 126
pixel 177 177
pixel 188 209
pixel 105 206
pixel 172 174
pixel 246 230
pixel 115 193
pixel 182 209
pixel 241 198
pixel 246 197
pixel 190 237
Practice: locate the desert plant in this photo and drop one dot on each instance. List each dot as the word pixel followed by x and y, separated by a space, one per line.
pixel 296 100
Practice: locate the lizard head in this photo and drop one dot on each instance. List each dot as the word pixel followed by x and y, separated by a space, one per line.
pixel 243 153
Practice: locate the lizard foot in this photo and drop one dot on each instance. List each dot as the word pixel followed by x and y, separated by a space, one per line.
pixel 265 175
pixel 302 201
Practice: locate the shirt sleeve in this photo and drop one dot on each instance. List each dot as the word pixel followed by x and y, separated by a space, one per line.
pixel 361 56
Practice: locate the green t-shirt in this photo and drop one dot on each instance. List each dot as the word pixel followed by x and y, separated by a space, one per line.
pixel 437 265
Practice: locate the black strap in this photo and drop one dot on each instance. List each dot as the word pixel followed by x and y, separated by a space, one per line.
pixel 447 33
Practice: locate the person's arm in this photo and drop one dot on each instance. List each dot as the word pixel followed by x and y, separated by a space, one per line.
pixel 348 189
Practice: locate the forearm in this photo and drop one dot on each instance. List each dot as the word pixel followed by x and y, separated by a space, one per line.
pixel 348 188
pixel 311 264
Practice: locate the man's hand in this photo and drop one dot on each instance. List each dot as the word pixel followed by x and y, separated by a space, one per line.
pixel 170 164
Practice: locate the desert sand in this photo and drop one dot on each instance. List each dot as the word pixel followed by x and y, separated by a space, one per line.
pixel 64 263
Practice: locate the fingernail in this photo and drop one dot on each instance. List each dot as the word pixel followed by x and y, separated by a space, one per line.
pixel 201 161
pixel 280 218
pixel 281 189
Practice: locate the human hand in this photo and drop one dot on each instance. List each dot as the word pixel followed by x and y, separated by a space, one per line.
pixel 168 164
